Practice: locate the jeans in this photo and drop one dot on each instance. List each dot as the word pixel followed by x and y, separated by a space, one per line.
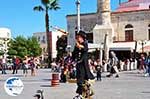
pixel 4 68
pixel 99 75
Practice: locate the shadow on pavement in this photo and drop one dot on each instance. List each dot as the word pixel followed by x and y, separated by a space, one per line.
pixel 46 79
pixel 47 86
pixel 148 92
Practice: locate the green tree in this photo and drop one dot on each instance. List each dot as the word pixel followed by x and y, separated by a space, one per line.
pixel 46 6
pixel 21 47
pixel 17 47
pixel 1 52
pixel 12 51
pixel 33 47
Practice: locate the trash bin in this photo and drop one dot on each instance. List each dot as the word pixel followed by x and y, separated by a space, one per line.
pixel 55 79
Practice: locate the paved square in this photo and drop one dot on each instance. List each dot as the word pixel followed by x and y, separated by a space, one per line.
pixel 130 85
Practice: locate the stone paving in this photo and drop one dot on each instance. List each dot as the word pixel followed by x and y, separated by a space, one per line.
pixel 130 85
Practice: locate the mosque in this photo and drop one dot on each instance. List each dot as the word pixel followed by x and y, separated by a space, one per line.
pixel 127 29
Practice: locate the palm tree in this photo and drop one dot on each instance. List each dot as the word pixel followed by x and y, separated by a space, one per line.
pixel 45 7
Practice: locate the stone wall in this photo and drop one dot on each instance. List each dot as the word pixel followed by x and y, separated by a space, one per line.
pixel 88 21
pixel 138 19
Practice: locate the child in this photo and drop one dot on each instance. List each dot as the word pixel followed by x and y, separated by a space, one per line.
pixel 98 69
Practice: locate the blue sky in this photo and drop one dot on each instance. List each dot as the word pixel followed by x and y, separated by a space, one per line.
pixel 18 15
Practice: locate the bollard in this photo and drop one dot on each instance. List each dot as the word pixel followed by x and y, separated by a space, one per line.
pixel 132 65
pixel 55 79
pixel 128 66
pixel 135 64
pixel 122 66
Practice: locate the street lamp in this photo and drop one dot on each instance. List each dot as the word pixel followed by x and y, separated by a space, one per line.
pixel 142 44
pixel 118 28
pixel 78 15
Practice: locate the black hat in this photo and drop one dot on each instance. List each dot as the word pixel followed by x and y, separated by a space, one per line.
pixel 82 34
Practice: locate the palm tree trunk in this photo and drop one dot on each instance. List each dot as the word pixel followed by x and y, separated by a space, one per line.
pixel 49 38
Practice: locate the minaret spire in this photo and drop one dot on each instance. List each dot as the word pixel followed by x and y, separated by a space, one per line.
pixel 103 11
pixel 103 30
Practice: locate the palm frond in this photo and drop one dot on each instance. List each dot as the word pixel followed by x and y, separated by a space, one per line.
pixel 51 4
pixel 38 8
pixel 46 2
pixel 54 8
pixel 54 5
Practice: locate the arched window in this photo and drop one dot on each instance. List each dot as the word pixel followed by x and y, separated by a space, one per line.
pixel 129 26
pixel 129 32
pixel 149 32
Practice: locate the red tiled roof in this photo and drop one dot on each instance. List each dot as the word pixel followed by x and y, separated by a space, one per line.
pixel 132 5
pixel 130 11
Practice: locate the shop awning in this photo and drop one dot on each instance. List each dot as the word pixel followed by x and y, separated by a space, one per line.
pixel 92 47
pixel 122 46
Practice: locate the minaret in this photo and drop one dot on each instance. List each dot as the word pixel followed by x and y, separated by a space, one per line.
pixel 103 11
pixel 103 30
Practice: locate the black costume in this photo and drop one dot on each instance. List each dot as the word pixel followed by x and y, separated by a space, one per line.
pixel 80 55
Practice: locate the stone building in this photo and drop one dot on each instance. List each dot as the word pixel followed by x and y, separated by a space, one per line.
pixel 5 36
pixel 42 39
pixel 130 22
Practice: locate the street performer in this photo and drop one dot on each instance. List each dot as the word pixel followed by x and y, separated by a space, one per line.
pixel 80 55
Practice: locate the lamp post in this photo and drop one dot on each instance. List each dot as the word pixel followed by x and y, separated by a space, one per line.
pixel 118 18
pixel 78 15
pixel 135 50
pixel 142 44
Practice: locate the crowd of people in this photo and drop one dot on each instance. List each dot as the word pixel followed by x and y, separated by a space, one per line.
pixel 144 64
pixel 15 64
pixel 67 67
